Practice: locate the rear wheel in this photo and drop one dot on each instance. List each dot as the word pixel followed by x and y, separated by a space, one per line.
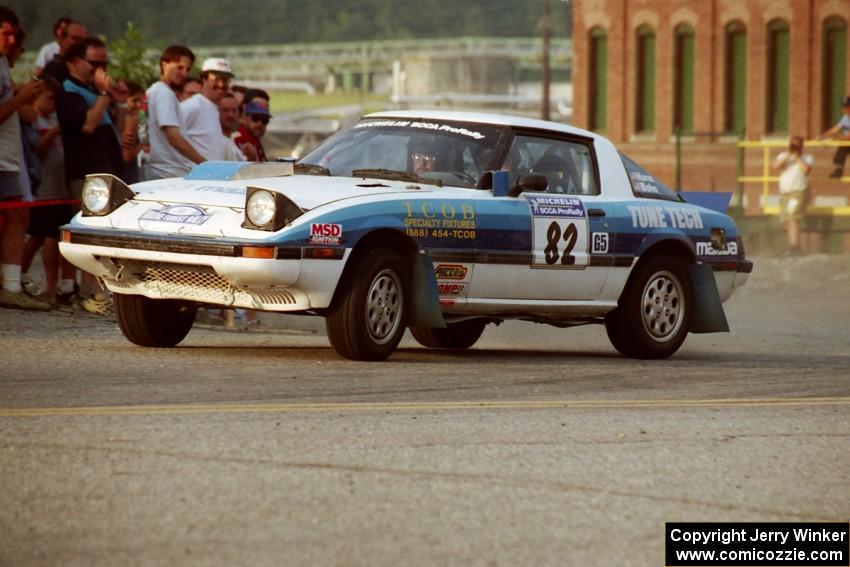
pixel 153 322
pixel 370 317
pixel 654 314
pixel 455 335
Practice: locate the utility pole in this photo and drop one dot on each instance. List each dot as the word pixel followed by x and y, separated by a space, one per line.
pixel 545 62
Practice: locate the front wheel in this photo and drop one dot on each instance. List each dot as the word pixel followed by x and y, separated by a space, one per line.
pixel 370 317
pixel 456 335
pixel 153 322
pixel 654 314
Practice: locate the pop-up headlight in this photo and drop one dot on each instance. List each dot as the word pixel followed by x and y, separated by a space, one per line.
pixel 103 193
pixel 268 210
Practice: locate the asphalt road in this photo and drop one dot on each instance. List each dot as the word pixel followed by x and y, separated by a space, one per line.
pixel 537 447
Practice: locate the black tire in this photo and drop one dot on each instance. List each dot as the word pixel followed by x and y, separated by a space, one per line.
pixel 153 322
pixel 654 312
pixel 369 318
pixel 456 335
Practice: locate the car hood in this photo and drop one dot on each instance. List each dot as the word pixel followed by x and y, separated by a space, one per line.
pixel 306 191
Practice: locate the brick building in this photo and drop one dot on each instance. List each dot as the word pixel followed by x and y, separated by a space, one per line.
pixel 761 69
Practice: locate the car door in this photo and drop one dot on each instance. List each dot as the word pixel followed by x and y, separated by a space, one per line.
pixel 559 230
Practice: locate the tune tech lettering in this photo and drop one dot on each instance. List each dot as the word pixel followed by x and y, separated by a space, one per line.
pixel 665 217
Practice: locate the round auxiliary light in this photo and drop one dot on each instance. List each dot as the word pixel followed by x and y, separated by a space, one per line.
pixel 261 208
pixel 96 194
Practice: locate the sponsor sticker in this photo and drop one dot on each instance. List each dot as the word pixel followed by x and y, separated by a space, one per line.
pixel 451 289
pixel 705 249
pixel 665 217
pixel 181 214
pixel 325 233
pixel 556 206
pixel 450 272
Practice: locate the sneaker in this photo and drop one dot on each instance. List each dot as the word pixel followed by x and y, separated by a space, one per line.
pixel 21 300
pixel 97 306
pixel 837 173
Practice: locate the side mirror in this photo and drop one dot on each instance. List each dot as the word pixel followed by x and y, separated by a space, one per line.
pixel 531 182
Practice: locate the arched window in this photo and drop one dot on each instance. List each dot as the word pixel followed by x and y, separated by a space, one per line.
pixel 735 78
pixel 597 84
pixel 834 70
pixel 683 78
pixel 778 55
pixel 645 115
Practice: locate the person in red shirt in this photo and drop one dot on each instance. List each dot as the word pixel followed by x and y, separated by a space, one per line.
pixel 255 119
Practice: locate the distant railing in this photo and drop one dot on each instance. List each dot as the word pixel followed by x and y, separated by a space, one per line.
pixel 766 178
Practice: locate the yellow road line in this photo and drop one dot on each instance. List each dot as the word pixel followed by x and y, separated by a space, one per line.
pixel 412 406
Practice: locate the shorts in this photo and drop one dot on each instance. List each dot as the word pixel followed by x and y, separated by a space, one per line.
pixel 10 185
pixel 45 221
pixel 792 205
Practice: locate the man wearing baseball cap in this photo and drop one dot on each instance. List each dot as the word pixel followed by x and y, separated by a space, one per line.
pixel 841 132
pixel 200 112
pixel 255 118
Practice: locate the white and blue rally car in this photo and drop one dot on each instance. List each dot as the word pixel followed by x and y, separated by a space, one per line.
pixel 442 222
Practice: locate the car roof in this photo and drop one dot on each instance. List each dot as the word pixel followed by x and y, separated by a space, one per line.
pixel 484 118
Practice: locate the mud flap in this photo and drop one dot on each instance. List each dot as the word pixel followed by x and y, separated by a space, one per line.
pixel 708 310
pixel 425 305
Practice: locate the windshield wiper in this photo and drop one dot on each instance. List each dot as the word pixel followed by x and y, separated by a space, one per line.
pixel 311 169
pixel 394 175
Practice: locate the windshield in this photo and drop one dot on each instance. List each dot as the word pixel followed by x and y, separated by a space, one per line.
pixel 432 151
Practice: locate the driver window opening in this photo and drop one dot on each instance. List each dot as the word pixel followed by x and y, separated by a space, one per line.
pixel 567 166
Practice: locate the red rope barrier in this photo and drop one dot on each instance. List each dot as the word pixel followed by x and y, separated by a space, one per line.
pixel 29 204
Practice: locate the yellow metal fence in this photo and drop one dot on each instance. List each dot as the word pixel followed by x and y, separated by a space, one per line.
pixel 766 178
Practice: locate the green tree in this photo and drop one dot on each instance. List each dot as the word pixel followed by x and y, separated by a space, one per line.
pixel 130 58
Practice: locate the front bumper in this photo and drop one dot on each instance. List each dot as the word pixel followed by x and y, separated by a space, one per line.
pixel 250 274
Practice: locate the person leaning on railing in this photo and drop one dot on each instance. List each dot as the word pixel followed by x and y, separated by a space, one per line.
pixel 840 131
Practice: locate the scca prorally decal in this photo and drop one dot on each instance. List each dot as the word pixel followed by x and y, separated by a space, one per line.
pixel 182 214
pixel 705 249
pixel 665 217
pixel 556 206
pixel 599 242
pixel 424 126
pixel 325 233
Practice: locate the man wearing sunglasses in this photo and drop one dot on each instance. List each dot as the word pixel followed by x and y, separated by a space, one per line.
pixel 89 131
pixel 254 121
pixel 91 110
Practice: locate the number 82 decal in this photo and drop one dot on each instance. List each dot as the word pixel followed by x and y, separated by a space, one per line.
pixel 560 243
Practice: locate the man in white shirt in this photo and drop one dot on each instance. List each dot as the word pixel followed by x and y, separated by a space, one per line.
pixel 171 153
pixel 201 120
pixel 50 50
pixel 229 114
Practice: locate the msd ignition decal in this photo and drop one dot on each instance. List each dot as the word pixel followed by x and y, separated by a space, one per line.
pixel 181 214
pixel 646 216
pixel 440 221
pixel 560 232
pixel 451 289
pixel 325 233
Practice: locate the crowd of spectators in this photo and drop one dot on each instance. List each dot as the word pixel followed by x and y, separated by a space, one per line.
pixel 73 119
